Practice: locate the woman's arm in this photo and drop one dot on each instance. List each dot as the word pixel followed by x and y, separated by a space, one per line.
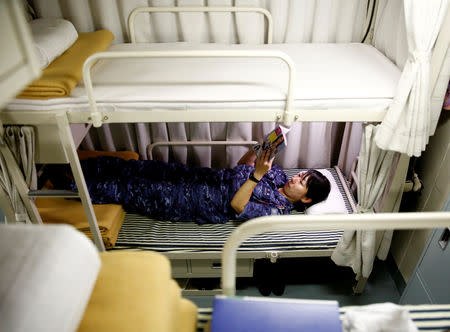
pixel 242 196
pixel 248 158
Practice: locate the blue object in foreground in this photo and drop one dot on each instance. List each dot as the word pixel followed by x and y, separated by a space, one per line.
pixel 258 314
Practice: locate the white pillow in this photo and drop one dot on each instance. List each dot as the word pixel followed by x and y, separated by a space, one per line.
pixel 47 274
pixel 52 37
pixel 334 203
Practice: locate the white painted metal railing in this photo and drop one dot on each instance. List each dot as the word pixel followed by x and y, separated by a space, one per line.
pixel 194 143
pixel 96 117
pixel 66 139
pixel 190 9
pixel 367 221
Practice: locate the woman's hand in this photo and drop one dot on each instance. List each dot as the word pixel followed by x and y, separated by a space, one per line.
pixel 242 196
pixel 248 158
pixel 263 164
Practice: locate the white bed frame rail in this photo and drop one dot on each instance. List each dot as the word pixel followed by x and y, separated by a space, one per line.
pixel 150 147
pixel 190 9
pixel 367 221
pixel 97 118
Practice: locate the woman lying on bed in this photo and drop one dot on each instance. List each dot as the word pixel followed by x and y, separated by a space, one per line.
pixel 173 191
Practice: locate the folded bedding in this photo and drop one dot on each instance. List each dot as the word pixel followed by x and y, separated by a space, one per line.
pixel 110 217
pixel 125 155
pixel 64 73
pixel 51 37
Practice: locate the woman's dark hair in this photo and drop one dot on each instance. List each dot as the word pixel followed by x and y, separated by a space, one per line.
pixel 318 186
pixel 318 189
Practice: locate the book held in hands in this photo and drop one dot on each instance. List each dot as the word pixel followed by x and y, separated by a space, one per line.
pixel 275 141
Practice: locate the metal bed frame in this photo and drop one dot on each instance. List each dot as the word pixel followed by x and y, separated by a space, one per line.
pixel 185 264
pixel 365 221
pixel 55 137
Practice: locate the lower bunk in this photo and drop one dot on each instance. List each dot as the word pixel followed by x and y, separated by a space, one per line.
pixel 195 250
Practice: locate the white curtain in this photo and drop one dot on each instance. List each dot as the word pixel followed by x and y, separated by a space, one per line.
pixel 350 147
pixel 294 20
pixel 357 248
pixel 311 145
pixel 20 141
pixel 409 122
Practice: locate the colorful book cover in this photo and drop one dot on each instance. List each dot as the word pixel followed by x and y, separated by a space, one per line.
pixel 275 141
pixel 262 314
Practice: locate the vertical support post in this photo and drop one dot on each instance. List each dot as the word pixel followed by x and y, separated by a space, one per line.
pixel 71 153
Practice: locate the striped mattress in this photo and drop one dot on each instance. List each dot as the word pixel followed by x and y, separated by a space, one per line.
pixel 430 318
pixel 140 232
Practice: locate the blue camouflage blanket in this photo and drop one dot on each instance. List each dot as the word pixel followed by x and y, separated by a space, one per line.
pixel 176 192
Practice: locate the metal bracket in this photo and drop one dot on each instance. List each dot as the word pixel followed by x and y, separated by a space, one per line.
pixel 273 256
pixel 96 118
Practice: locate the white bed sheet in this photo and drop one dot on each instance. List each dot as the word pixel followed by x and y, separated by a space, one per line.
pixel 329 76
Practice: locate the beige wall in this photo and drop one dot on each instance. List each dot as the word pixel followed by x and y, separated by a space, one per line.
pixel 434 170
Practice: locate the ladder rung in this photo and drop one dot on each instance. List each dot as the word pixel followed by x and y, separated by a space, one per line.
pixel 53 193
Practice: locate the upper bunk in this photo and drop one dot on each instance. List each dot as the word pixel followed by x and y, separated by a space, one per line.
pixel 194 81
pixel 216 82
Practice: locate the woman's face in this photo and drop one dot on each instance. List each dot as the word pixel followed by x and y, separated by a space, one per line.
pixel 296 189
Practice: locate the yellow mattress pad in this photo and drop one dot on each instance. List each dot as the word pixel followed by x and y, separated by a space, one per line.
pixel 70 211
pixel 64 73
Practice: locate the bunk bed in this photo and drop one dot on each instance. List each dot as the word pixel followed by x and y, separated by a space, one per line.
pixel 283 83
pixel 195 250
